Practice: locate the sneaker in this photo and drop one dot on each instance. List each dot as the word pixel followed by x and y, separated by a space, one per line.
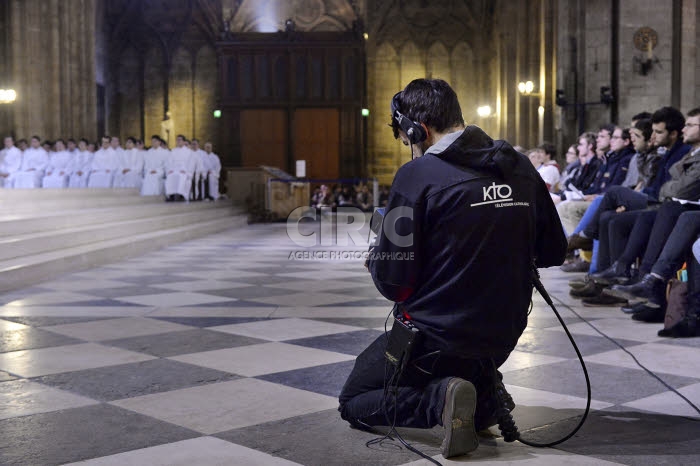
pixel 591 290
pixel 579 265
pixel 603 300
pixel 649 288
pixel 579 242
pixel 458 419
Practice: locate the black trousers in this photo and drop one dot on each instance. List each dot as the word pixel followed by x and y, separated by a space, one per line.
pixel 615 197
pixel 649 233
pixel 420 397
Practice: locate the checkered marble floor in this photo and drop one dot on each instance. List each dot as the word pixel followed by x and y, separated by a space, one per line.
pixel 226 350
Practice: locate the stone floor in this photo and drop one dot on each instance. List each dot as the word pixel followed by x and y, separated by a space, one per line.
pixel 224 350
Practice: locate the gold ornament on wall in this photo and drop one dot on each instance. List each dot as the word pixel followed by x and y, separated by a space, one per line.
pixel 645 40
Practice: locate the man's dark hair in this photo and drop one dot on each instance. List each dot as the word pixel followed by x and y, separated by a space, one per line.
pixel 641 116
pixel 644 125
pixel 9 136
pixel 625 134
pixel 36 137
pixel 132 139
pixel 694 112
pixel 71 140
pixel 430 101
pixel 548 149
pixel 85 141
pixel 21 141
pixel 61 140
pixel 673 118
pixel 181 136
pixel 609 127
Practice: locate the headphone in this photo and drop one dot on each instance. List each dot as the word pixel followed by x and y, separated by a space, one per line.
pixel 415 132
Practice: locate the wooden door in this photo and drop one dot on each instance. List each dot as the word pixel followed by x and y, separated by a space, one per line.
pixel 317 140
pixel 264 138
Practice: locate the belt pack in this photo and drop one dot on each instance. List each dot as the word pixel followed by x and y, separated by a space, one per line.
pixel 403 339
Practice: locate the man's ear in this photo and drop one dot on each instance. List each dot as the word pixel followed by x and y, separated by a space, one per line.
pixel 427 132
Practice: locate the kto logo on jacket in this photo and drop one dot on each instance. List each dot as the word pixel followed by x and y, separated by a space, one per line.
pixel 496 193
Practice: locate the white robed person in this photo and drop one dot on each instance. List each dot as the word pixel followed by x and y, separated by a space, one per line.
pixel 103 166
pixel 130 171
pixel 34 162
pixel 213 171
pixel 59 169
pixel 10 162
pixel 80 166
pixel 154 168
pixel 200 171
pixel 179 170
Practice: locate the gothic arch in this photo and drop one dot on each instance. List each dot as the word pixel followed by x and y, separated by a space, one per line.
pixel 205 79
pixel 154 63
pixel 180 92
pixel 463 80
pixel 438 62
pixel 412 63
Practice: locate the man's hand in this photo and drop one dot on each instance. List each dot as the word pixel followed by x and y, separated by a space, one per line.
pixel 621 209
pixel 125 171
pixel 153 172
pixel 79 173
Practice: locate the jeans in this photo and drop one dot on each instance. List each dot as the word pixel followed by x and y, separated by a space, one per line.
pixel 589 215
pixel 678 246
pixel 420 397
pixel 615 197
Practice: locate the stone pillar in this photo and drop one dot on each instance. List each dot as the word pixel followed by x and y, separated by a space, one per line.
pixel 53 67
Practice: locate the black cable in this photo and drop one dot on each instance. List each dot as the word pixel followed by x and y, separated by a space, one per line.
pixel 648 371
pixel 540 288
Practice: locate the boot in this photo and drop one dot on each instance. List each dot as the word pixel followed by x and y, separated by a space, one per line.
pixel 686 328
pixel 618 273
pixel 655 315
pixel 604 300
pixel 649 288
pixel 590 290
pixel 579 242
pixel 579 265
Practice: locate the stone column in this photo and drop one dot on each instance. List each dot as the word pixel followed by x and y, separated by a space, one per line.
pixel 53 67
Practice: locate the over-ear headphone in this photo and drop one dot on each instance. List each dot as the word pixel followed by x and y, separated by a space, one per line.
pixel 415 132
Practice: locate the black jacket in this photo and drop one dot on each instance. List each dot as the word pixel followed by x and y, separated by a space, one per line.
pixel 612 171
pixel 480 215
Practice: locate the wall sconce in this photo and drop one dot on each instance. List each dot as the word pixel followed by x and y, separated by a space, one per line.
pixel 527 88
pixel 484 111
pixel 7 96
pixel 645 39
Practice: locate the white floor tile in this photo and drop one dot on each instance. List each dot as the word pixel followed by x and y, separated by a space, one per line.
pixel 659 358
pixel 266 358
pixel 224 406
pixel 285 329
pixel 197 451
pixel 23 397
pixel 521 360
pixel 533 397
pixel 669 403
pixel 37 362
pixel 8 326
pixel 112 329
pixel 175 299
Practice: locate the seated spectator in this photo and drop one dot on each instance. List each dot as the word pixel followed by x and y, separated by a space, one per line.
pixel 10 162
pixel 365 200
pixel 345 197
pixel 324 198
pixel 549 169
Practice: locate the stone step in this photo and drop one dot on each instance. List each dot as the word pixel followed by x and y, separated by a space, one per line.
pixel 36 206
pixel 68 193
pixel 76 235
pixel 27 223
pixel 30 270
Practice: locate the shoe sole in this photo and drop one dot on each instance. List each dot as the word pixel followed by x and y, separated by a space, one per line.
pixel 632 299
pixel 460 431
pixel 585 304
